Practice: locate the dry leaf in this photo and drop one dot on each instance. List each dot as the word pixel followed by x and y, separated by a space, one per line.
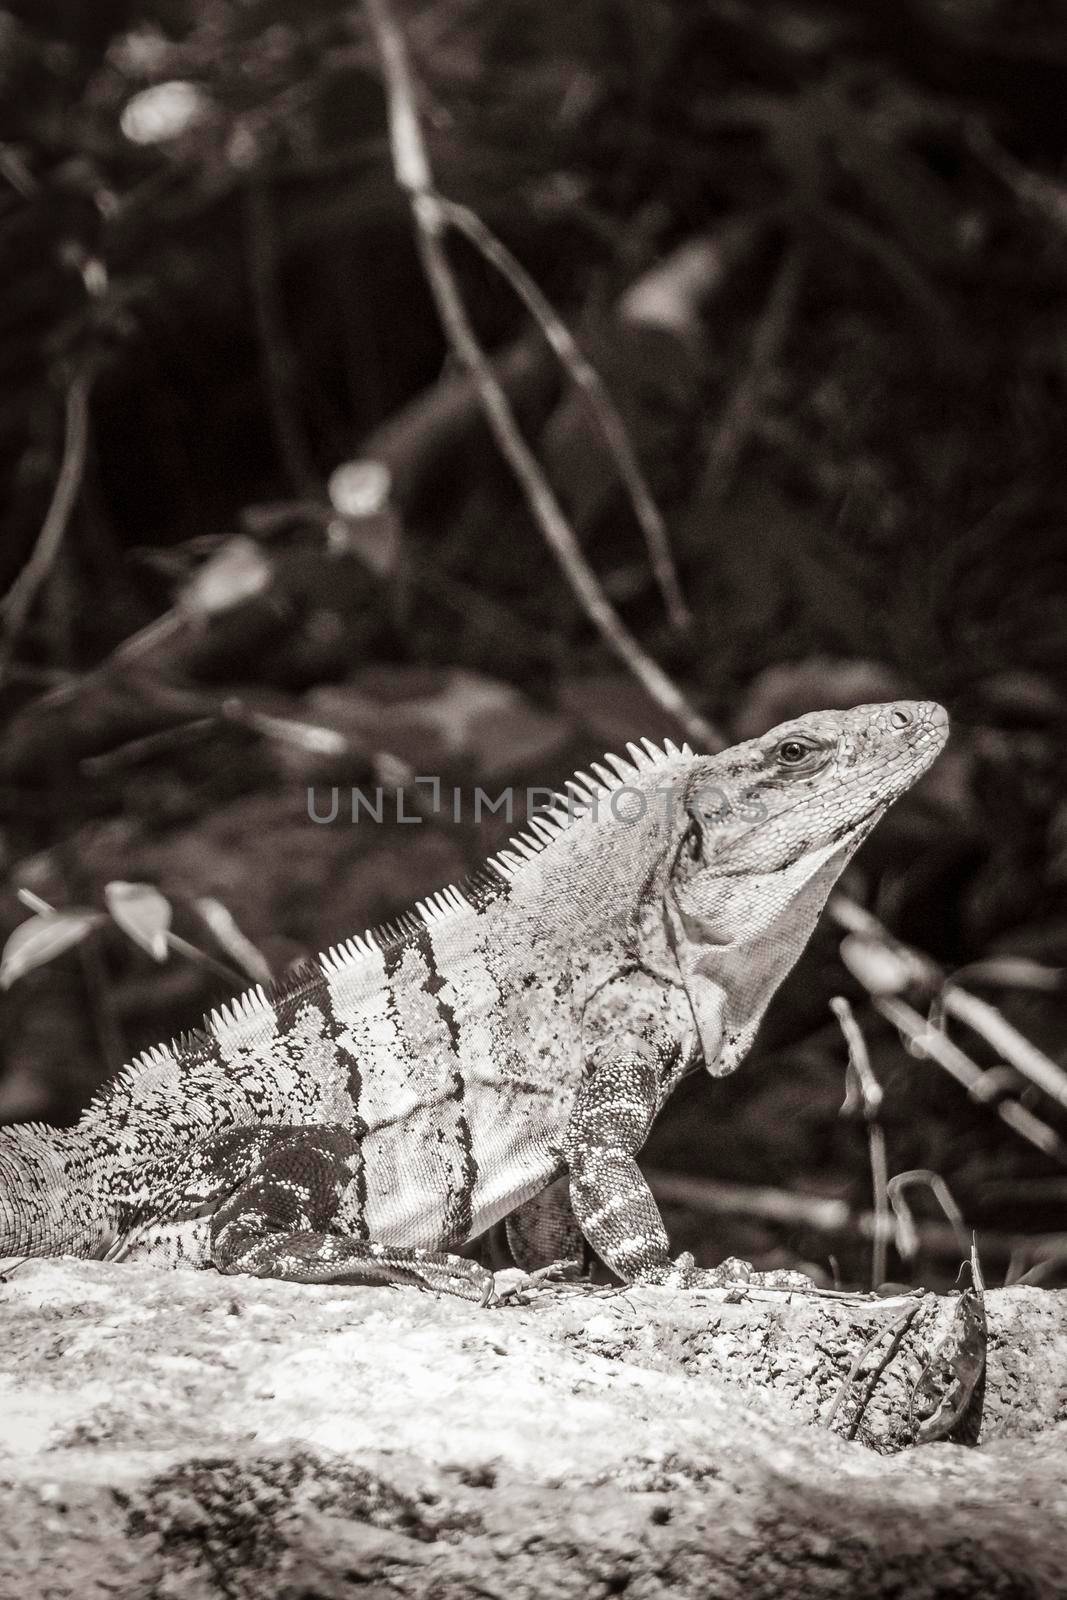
pixel 142 913
pixel 946 1385
pixel 43 937
pixel 237 572
pixel 237 945
pixel 163 112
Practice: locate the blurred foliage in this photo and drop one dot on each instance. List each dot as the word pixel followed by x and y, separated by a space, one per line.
pixel 854 424
pixel 915 406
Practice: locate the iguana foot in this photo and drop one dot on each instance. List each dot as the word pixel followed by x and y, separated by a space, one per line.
pixel 733 1273
pixel 729 1274
pixel 307 1257
pixel 511 1284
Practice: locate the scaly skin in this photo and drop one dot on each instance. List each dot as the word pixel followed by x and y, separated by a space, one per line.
pixel 416 1085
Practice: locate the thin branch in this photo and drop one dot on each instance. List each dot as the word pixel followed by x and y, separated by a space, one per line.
pixel 927 1040
pixel 955 1001
pixel 18 602
pixel 193 953
pixel 412 170
pixel 1011 1045
pixel 907 1237
pixel 593 390
pixel 849 229
pixel 895 1330
pixel 1036 191
pixel 870 1095
pixel 821 1214
pixel 897 1333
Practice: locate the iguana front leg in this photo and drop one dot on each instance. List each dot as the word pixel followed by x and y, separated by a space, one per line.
pixel 609 1123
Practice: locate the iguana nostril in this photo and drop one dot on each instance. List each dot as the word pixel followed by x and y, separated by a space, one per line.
pixel 900 718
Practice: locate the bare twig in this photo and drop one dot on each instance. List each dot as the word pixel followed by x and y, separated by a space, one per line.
pixel 713 1197
pixel 412 170
pixel 600 404
pixel 201 958
pixel 865 1082
pixel 895 1331
pixel 955 1001
pixel 894 263
pixel 907 1234
pixel 870 1095
pixel 134 751
pixel 926 1040
pixel 1008 1042
pixel 18 602
pixel 1036 191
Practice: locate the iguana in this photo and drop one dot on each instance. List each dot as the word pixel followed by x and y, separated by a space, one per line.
pixel 420 1082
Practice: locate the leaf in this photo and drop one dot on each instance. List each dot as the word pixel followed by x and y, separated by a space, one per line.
pixel 163 112
pixel 237 572
pixel 672 292
pixel 43 937
pixel 946 1386
pixel 142 913
pixel 360 488
pixel 237 945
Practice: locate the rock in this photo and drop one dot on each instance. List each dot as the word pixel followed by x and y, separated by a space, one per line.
pixel 189 1435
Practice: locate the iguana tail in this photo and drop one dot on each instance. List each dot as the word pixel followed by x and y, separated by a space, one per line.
pixel 66 1191
pixel 48 1207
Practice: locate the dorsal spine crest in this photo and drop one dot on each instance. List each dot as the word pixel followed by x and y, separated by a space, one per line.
pixel 544 829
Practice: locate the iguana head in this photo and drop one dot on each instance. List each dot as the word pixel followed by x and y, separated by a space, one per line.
pixel 710 870
pixel 760 835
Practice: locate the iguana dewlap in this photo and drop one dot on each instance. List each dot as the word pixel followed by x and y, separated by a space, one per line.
pixel 416 1084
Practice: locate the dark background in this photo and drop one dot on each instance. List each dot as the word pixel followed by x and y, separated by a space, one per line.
pixel 851 413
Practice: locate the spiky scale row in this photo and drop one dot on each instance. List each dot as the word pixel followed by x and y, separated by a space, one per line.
pixel 355 949
pixel 243 1008
pixel 546 826
pixel 443 903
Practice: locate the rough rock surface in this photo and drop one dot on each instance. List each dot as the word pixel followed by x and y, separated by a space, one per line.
pixel 192 1436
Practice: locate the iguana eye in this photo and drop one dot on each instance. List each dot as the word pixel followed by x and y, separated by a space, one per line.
pixel 799 754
